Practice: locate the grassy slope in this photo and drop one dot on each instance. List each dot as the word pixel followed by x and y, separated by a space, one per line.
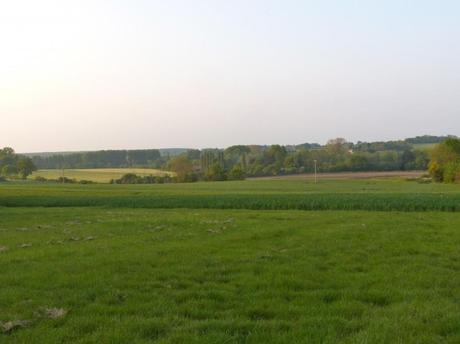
pixel 197 276
pixel 383 194
pixel 100 175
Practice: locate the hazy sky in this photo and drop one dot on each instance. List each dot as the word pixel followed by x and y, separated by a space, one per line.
pixel 80 75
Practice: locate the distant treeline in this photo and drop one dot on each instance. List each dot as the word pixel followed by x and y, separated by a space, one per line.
pixel 240 161
pixel 102 159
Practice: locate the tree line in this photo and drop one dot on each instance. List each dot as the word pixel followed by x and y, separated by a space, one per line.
pixel 102 159
pixel 241 161
pixel 338 155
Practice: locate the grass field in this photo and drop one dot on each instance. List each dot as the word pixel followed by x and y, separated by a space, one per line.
pixel 99 175
pixel 98 264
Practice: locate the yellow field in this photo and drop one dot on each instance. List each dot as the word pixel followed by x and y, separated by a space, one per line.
pixel 99 175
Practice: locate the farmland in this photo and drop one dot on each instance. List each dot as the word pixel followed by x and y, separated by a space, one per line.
pixel 354 194
pixel 372 260
pixel 98 175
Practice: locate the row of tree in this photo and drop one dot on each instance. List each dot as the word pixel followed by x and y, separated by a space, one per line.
pixel 238 162
pixel 102 159
pixel 388 157
pixel 13 165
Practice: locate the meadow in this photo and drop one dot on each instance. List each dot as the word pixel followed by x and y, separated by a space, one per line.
pixel 97 175
pixel 230 262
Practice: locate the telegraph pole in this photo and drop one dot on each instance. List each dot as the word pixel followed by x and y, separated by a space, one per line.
pixel 316 176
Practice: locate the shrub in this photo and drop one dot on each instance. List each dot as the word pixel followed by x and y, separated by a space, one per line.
pixel 129 178
pixel 66 180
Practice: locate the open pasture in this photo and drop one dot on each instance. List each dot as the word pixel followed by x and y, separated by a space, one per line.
pixel 215 276
pixel 112 264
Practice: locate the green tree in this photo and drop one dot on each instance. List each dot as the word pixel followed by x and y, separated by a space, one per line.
pixel 236 173
pixel 8 170
pixel 445 161
pixel 216 173
pixel 25 167
pixel 337 146
pixel 182 166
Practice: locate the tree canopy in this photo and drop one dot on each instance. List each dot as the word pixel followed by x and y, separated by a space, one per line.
pixel 13 165
pixel 445 161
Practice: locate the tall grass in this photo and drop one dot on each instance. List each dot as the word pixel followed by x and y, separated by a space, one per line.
pixel 377 202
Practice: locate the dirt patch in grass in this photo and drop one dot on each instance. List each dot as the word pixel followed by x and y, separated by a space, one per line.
pixel 51 313
pixel 11 326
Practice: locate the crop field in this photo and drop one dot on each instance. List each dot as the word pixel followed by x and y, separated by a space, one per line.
pixel 274 261
pixel 98 175
pixel 369 194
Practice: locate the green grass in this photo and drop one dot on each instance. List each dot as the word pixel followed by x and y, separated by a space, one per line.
pixel 378 194
pixel 99 175
pixel 230 276
pixel 231 262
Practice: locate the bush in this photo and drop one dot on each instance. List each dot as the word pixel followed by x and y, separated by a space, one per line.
pixel 2 179
pixel 66 180
pixel 40 179
pixel 131 178
pixel 191 177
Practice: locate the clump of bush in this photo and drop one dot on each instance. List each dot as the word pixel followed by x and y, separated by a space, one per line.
pixel 2 179
pixel 66 180
pixel 61 180
pixel 131 178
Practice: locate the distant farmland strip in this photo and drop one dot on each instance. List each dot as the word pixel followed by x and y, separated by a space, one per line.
pixel 99 175
pixel 346 175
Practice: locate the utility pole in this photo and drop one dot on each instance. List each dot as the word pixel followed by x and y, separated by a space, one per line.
pixel 316 177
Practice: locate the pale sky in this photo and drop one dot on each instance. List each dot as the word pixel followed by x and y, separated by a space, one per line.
pixel 94 74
